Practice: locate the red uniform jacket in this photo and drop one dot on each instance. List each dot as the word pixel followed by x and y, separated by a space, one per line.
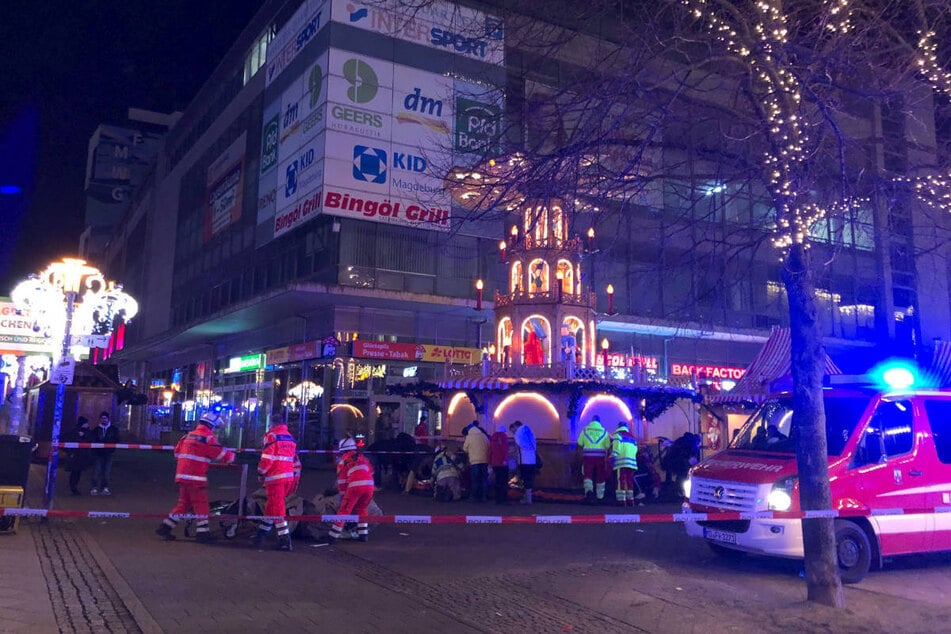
pixel 195 451
pixel 354 471
pixel 279 456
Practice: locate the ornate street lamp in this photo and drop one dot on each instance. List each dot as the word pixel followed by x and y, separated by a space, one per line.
pixel 65 293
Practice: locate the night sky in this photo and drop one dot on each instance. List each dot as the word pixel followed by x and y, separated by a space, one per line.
pixel 67 67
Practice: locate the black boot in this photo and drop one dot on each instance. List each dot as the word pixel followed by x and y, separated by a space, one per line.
pixel 204 537
pixel 165 532
pixel 284 543
pixel 259 538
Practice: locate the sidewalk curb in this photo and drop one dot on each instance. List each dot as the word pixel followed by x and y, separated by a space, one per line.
pixel 136 608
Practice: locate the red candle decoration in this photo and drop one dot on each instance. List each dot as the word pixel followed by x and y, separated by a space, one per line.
pixel 479 286
pixel 610 299
pixel 502 247
pixel 604 351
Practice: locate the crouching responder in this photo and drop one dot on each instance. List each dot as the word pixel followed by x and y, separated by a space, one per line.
pixel 624 461
pixel 279 468
pixel 355 481
pixel 194 452
pixel 594 444
pixel 447 485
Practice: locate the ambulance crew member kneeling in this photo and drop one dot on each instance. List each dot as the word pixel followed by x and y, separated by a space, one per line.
pixel 355 481
pixel 280 470
pixel 195 451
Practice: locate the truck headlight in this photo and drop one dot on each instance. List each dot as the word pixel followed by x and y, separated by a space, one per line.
pixel 686 488
pixel 780 498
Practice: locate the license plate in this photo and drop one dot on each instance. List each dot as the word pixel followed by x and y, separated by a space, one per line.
pixel 720 536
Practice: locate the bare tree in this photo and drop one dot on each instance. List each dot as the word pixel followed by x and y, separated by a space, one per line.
pixel 614 99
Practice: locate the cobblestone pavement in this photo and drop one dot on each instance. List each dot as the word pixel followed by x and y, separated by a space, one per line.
pixel 81 594
pixel 488 604
pixel 109 574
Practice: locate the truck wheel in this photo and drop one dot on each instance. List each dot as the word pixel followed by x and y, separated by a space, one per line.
pixel 853 551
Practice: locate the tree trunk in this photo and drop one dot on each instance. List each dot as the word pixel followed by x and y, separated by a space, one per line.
pixel 808 366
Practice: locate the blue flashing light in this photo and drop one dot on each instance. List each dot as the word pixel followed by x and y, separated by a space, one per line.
pixel 896 374
pixel 10 190
pixel 898 378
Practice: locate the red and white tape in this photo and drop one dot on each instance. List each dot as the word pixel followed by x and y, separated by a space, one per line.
pixel 122 445
pixel 620 518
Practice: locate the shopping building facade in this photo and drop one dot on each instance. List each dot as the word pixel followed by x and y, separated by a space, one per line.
pixel 297 249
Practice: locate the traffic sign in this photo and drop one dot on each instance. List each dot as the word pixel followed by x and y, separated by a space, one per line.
pixel 90 341
pixel 63 371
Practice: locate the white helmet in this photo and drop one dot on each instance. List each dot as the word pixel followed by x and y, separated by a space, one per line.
pixel 211 419
pixel 347 444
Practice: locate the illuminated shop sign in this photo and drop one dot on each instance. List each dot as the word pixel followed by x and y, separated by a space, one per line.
pixel 247 363
pixel 718 372
pixel 296 352
pixel 622 360
pixel 415 352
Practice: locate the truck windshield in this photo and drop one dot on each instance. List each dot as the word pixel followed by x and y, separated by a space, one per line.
pixel 770 428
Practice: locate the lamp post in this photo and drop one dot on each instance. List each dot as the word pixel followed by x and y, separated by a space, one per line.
pixel 66 291
pixel 479 286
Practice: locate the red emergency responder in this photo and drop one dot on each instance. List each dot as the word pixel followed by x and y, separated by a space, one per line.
pixel 195 451
pixel 355 481
pixel 279 468
pixel 595 444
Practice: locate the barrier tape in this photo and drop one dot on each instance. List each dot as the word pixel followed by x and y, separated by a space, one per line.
pixel 632 518
pixel 123 445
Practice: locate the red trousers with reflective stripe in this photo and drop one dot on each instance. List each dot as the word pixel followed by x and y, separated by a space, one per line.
pixel 356 501
pixel 593 468
pixel 192 498
pixel 625 479
pixel 277 492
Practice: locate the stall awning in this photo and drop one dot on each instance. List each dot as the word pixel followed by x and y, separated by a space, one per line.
pixel 771 363
pixel 487 383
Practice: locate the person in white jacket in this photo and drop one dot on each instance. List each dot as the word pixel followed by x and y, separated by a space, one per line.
pixel 527 457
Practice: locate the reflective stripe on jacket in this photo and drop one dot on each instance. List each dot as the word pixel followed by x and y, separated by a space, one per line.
pixel 624 450
pixel 594 441
pixel 195 451
pixel 354 471
pixel 279 455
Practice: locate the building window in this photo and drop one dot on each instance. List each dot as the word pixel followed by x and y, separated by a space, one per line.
pixel 256 57
pixel 853 228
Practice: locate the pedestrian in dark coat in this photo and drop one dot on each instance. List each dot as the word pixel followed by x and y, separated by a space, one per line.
pixel 79 459
pixel 108 433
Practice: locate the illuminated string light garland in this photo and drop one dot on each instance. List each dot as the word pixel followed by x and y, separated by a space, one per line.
pixel 934 190
pixel 780 95
pixel 927 62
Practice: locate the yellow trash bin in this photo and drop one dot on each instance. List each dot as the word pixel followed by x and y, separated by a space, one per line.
pixel 10 497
